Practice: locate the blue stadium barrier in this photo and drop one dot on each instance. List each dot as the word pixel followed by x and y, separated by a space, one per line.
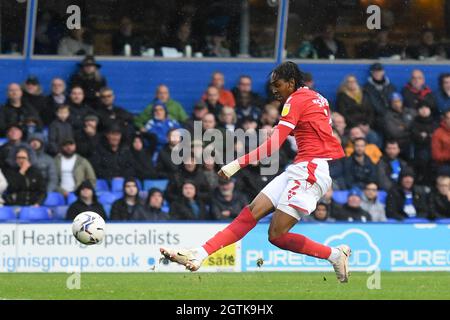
pixel 117 184
pixel 34 213
pixel 102 185
pixel 417 220
pixel 160 184
pixel 7 213
pixel 382 195
pixel 59 212
pixel 340 196
pixel 71 198
pixel 54 199
pixel 107 198
pixel 447 220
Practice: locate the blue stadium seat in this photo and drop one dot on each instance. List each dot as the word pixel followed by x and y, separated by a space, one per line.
pixel 160 184
pixel 7 213
pixel 117 184
pixel 107 208
pixel 382 195
pixel 102 185
pixel 143 195
pixel 340 196
pixel 165 207
pixel 71 198
pixel 447 220
pixel 107 198
pixel 59 212
pixel 3 141
pixel 54 199
pixel 34 213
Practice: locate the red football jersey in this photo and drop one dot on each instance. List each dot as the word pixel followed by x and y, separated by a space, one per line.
pixel 308 114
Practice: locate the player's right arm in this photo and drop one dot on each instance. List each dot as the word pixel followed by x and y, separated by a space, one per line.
pixel 287 123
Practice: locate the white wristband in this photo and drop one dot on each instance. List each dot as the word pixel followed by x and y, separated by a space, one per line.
pixel 231 168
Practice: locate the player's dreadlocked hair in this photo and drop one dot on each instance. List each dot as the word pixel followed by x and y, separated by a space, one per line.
pixel 289 70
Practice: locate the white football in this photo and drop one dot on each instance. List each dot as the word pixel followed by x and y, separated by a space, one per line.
pixel 88 227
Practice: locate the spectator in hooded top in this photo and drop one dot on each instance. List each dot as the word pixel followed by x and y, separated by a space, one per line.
pixel 352 210
pixel 423 127
pixel 26 186
pixel 160 124
pixel 72 169
pixel 89 79
pixel 189 206
pixel 353 103
pixel 226 97
pixel 226 201
pixel 440 145
pixel 243 94
pixel 371 204
pixel 359 169
pixel 193 172
pixel 53 100
pixel 372 151
pixel 78 108
pixel 110 113
pixel 397 125
pixel 442 96
pixel 154 206
pixel 32 94
pixel 379 89
pixel 390 166
pixel 113 157
pixel 44 162
pixel 15 111
pixel 174 108
pixel 88 138
pixel 327 46
pixel 60 129
pixel 129 207
pixel 405 200
pixel 142 156
pixel 87 201
pixel 164 164
pixel 416 90
pixel 440 199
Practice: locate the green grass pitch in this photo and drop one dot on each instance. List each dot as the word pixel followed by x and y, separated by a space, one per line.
pixel 245 286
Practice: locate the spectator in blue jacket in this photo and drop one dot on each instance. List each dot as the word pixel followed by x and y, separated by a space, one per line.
pixel 443 94
pixel 359 169
pixel 160 124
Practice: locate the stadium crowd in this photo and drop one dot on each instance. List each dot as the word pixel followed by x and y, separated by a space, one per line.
pixel 75 150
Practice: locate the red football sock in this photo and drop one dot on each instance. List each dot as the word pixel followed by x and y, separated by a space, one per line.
pixel 301 244
pixel 235 231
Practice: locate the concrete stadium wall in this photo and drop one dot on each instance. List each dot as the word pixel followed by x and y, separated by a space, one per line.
pixel 135 81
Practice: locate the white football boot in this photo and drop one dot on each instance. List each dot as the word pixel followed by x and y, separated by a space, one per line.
pixel 341 265
pixel 186 257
